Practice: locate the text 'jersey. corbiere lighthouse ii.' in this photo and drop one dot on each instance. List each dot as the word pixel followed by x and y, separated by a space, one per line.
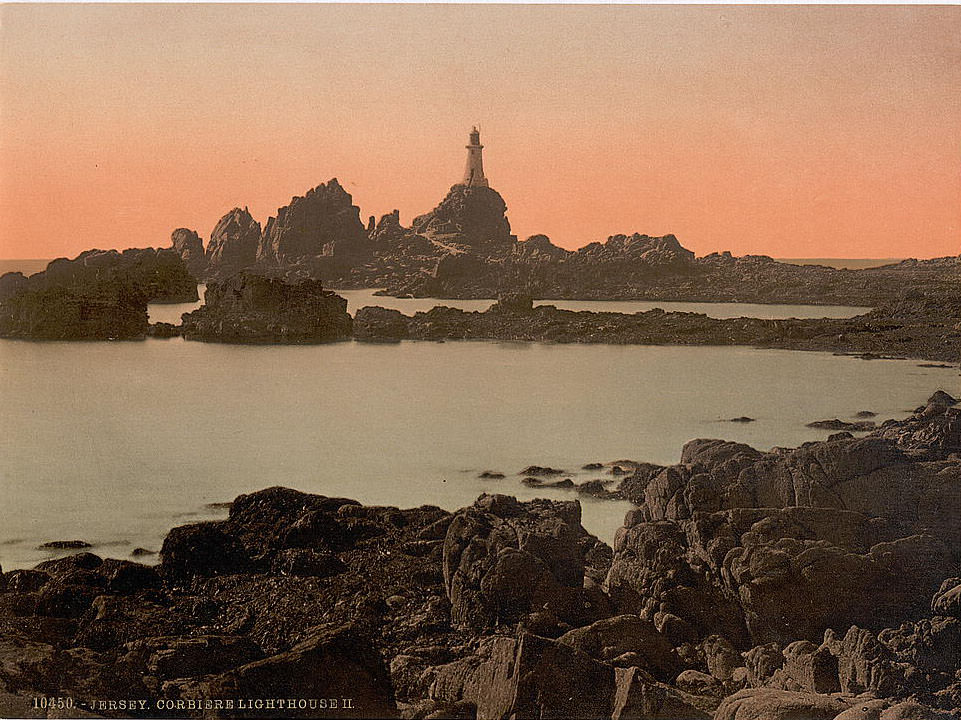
pixel 474 172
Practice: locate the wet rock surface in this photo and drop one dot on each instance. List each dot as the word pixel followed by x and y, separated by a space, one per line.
pixel 815 582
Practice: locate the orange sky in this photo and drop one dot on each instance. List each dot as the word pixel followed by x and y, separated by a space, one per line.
pixel 805 131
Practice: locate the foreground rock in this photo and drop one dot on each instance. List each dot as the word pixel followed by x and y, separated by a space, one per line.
pixel 249 308
pixel 815 582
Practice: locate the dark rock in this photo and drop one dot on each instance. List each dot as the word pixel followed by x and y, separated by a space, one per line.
pixel 742 419
pixel 332 663
pixel 201 549
pixel 470 216
pixel 638 696
pixel 307 563
pixel 698 683
pixel 188 245
pixel 176 657
pixel 597 489
pixel 947 601
pixel 125 577
pixel 536 470
pixel 721 657
pixel 377 323
pixel 25 581
pixel 253 309
pixel 811 668
pixel 531 676
pixel 490 475
pixel 99 295
pixel 101 313
pixel 319 235
pixel 835 424
pixel 233 244
pixel 78 561
pixel 64 545
pixel 164 330
pixel 633 486
pixel 772 704
pixel 762 662
pixel 610 638
pixel 941 398
pixel 513 304
pixel 593 466
pixel 504 559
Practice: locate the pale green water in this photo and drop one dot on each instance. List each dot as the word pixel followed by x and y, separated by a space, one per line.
pixel 114 443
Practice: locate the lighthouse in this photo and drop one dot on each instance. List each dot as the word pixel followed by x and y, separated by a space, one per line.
pixel 474 172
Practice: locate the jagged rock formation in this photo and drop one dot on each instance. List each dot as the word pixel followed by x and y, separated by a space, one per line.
pixel 233 244
pixel 98 295
pixel 317 235
pixel 814 582
pixel 249 308
pixel 188 245
pixel 464 248
pixel 474 217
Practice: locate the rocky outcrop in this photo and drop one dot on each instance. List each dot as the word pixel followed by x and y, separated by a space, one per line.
pixel 318 235
pixel 188 245
pixel 641 267
pixel 155 276
pixel 248 308
pixel 99 295
pixel 746 532
pixel 507 562
pixel 110 313
pixel 935 337
pixel 468 218
pixel 233 244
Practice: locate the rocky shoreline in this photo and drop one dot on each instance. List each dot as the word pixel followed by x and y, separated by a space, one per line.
pixel 915 327
pixel 815 582
pixel 102 296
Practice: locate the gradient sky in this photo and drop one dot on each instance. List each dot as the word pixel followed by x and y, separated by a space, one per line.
pixel 804 131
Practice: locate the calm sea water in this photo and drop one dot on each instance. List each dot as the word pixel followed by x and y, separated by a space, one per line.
pixel 362 298
pixel 114 443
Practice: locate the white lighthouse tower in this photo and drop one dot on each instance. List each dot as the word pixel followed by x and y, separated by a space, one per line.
pixel 474 172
